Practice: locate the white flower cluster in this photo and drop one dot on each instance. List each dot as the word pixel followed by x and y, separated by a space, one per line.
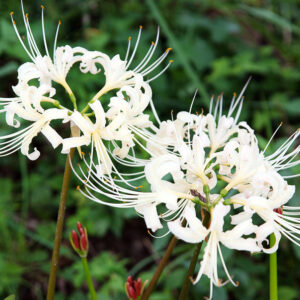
pixel 212 165
pixel 198 167
pixel 35 104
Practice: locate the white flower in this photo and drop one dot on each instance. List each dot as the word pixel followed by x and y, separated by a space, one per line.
pixel 118 73
pixel 195 232
pixel 41 123
pixel 278 221
pixel 124 119
pixel 43 67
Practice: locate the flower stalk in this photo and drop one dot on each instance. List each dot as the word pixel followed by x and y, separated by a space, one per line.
pixel 88 278
pixel 59 227
pixel 187 281
pixel 80 244
pixel 159 269
pixel 273 270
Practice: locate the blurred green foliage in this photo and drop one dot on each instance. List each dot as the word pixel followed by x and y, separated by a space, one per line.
pixel 216 45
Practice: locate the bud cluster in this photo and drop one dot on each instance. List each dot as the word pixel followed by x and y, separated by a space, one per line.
pixel 134 288
pixel 80 243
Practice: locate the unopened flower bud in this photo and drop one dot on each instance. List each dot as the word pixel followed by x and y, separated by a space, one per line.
pixel 134 288
pixel 80 243
pixel 75 239
pixel 79 227
pixel 83 241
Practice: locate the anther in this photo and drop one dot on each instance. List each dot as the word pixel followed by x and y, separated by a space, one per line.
pixel 152 43
pixel 234 95
pixel 171 61
pixel 82 153
pixel 78 187
pixel 168 49
pixel 141 27
pixel 59 22
pixel 129 38
pixel 42 7
pixel 11 13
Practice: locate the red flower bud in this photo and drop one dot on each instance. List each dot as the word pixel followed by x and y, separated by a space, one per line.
pixel 129 280
pixel 134 288
pixel 79 227
pixel 131 292
pixel 138 286
pixel 83 241
pixel 75 239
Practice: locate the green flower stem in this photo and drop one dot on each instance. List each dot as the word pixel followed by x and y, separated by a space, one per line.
pixel 159 269
pixel 59 226
pixel 73 100
pixel 89 278
pixel 273 271
pixel 187 281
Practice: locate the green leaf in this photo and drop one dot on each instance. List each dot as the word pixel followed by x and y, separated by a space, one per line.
pixel 271 17
pixel 11 297
pixel 287 293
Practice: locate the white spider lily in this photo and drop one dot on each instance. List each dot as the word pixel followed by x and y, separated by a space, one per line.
pixel 196 163
pixel 279 223
pixel 23 138
pixel 95 134
pixel 245 160
pixel 130 104
pixel 43 67
pixel 220 127
pixel 195 232
pixel 282 159
pixel 115 195
pixel 126 118
pixel 117 71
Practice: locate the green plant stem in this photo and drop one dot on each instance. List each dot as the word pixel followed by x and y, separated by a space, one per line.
pixel 59 226
pixel 179 51
pixel 187 281
pixel 88 278
pixel 273 271
pixel 159 269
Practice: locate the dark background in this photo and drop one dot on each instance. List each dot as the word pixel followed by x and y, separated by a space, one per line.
pixel 216 45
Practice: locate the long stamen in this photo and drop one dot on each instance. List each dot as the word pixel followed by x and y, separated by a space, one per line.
pixel 128 48
pixel 44 33
pixel 239 98
pixel 161 72
pixel 135 47
pixel 55 40
pixel 19 37
pixel 154 45
pixel 155 64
